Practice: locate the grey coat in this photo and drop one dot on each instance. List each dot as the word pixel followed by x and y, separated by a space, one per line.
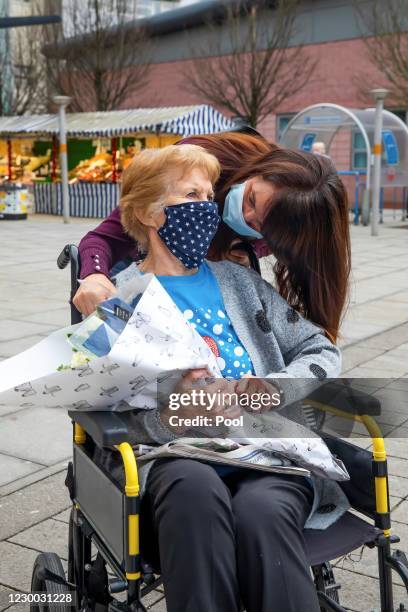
pixel 281 344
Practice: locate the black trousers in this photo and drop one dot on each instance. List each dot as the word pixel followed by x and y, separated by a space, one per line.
pixel 223 542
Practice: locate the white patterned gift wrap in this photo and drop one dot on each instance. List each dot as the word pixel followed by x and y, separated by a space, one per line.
pixel 156 341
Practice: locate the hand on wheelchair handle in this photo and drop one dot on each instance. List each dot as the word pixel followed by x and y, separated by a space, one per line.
pixel 94 289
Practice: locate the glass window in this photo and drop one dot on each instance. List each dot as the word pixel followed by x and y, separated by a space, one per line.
pixel 282 122
pixel 359 152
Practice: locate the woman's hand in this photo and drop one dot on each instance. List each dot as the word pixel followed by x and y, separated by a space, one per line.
pixel 219 391
pixel 93 290
pixel 251 385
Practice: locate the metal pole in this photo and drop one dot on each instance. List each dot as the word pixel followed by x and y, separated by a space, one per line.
pixel 62 102
pixel 379 96
pixel 9 161
pixel 114 150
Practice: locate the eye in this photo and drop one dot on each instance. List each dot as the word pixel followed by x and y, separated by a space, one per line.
pixel 192 194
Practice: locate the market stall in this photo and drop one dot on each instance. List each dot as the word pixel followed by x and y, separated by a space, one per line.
pixel 100 146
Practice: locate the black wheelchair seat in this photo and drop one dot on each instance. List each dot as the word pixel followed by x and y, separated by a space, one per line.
pixel 345 535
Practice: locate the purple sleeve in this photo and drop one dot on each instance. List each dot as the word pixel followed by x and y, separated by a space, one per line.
pixel 101 248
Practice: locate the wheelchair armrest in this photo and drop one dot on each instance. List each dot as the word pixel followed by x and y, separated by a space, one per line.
pixel 105 428
pixel 360 489
pixel 344 397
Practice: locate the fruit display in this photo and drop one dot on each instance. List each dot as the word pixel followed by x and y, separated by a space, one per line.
pixel 99 168
pixel 24 169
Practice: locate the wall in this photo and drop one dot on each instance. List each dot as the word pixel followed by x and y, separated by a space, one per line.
pixel 340 64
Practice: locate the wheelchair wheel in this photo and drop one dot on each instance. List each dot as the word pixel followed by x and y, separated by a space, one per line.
pixel 39 583
pixel 326 585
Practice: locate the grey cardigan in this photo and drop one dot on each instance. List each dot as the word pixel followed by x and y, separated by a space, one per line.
pixel 281 344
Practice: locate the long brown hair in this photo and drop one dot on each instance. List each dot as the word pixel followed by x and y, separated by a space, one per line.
pixel 234 151
pixel 306 227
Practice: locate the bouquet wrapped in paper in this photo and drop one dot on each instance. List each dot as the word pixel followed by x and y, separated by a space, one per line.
pixel 119 353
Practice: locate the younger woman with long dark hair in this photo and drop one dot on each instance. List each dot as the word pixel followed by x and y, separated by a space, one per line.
pixel 295 201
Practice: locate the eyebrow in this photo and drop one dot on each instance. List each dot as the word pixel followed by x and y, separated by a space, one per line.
pixel 196 186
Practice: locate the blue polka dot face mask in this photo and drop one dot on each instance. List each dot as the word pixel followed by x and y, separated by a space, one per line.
pixel 189 229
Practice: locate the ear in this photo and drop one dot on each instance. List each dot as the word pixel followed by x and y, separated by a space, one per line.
pixel 238 257
pixel 151 217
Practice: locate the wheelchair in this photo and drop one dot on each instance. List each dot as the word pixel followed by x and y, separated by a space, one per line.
pixel 105 516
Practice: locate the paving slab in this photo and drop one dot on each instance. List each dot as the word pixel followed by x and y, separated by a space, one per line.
pixel 398 467
pixel 63 516
pixel 394 398
pixel 387 340
pixel 59 317
pixel 401 296
pixel 360 593
pixel 30 479
pixel 397 447
pixel 392 417
pixel 400 515
pixel 50 435
pixel 16 566
pixel 13 468
pixel 47 536
pixel 5 592
pixel 401 384
pixel 353 331
pixel 398 487
pixel 395 502
pixel 33 504
pixel 393 361
pixel 10 329
pixel 366 371
pixel 354 356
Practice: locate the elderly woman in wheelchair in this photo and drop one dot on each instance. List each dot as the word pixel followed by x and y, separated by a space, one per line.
pixel 221 537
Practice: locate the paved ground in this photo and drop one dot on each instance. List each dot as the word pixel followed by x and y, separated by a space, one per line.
pixel 36 445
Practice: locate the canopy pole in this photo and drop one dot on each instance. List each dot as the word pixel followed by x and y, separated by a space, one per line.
pixel 62 102
pixel 9 160
pixel 54 159
pixel 379 96
pixel 114 150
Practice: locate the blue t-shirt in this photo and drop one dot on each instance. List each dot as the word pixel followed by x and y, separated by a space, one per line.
pixel 199 298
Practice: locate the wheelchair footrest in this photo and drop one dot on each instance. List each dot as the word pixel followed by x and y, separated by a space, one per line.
pixel 399 563
pixel 329 604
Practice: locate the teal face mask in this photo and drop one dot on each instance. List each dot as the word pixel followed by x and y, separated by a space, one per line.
pixel 233 215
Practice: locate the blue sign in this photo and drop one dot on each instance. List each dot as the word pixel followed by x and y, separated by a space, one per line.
pixel 390 148
pixel 307 141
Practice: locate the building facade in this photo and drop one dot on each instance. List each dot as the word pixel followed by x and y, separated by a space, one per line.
pixel 330 32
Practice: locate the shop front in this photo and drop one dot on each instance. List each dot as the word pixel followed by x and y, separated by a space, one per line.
pixel 100 146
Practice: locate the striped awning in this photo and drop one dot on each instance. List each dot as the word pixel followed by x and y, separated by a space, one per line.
pixel 182 120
